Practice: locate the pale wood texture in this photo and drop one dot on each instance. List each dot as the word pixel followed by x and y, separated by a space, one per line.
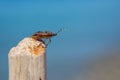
pixel 27 61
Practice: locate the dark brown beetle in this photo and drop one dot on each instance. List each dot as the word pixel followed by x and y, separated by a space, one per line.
pixel 43 36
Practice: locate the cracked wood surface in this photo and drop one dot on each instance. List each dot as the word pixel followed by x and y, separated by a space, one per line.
pixel 27 61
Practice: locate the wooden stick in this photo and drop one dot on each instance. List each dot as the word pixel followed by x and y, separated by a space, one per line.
pixel 27 61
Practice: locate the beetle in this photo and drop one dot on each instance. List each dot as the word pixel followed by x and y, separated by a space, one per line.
pixel 42 36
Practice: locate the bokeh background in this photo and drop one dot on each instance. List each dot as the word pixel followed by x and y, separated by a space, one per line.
pixel 88 49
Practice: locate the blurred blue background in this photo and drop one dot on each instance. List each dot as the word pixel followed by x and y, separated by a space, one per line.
pixel 92 32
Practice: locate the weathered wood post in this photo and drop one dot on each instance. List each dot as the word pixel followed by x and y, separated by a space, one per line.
pixel 27 61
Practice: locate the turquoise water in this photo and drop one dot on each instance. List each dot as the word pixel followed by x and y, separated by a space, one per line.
pixel 92 31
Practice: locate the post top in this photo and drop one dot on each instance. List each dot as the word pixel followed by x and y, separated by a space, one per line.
pixel 29 46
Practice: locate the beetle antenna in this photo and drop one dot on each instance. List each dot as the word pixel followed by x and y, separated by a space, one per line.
pixel 60 30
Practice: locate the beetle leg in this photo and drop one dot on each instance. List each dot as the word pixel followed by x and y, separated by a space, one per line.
pixel 42 42
pixel 49 40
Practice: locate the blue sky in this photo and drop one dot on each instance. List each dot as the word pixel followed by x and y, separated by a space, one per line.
pixel 92 30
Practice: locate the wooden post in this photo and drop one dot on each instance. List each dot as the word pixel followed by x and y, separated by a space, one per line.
pixel 27 61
